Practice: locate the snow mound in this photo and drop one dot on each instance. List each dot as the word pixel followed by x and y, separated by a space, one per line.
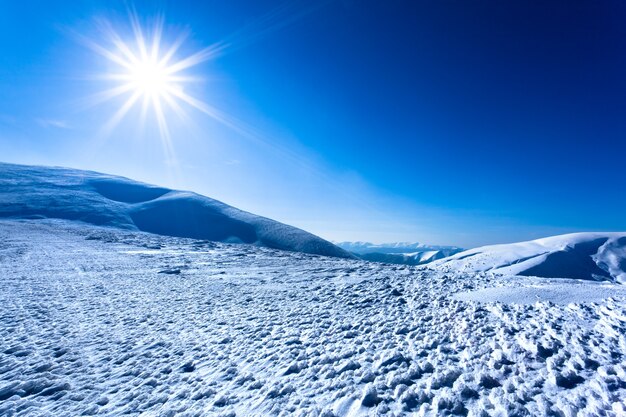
pixel 587 256
pixel 43 192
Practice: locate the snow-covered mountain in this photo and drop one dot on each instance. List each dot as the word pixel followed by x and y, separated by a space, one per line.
pixel 100 199
pixel 395 247
pixel 589 256
pixel 403 253
pixel 415 258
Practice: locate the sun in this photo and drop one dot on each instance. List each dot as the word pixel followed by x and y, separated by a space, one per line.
pixel 146 70
pixel 149 78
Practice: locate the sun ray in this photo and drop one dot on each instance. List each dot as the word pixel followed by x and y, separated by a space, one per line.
pixel 149 69
pixel 106 53
pixel 119 115
pixel 173 48
pixel 149 73
pixel 156 39
pixel 166 142
pixel 213 112
pixel 107 95
pixel 195 59
pixel 139 38
pixel 173 104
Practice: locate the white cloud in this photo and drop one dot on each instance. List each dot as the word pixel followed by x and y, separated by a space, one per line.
pixel 54 123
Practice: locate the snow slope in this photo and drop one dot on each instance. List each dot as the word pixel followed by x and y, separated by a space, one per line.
pixel 587 256
pixel 102 321
pixel 99 199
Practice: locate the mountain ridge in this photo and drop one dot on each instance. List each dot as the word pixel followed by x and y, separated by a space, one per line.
pixel 402 253
pixel 107 200
pixel 391 247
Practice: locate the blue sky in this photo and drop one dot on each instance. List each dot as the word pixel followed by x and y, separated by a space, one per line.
pixel 447 122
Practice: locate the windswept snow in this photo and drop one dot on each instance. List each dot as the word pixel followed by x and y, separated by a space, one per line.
pixel 100 199
pixel 100 321
pixel 530 291
pixel 586 256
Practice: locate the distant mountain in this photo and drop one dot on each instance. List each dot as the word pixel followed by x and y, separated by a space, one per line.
pixel 587 256
pixel 399 253
pixel 32 192
pixel 396 247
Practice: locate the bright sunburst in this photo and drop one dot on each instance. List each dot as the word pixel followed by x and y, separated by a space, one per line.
pixel 149 74
pixel 149 77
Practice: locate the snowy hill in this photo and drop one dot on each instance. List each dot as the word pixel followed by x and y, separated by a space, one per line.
pixel 403 253
pixel 100 199
pixel 588 256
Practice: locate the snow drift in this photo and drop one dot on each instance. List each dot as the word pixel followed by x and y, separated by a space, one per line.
pixel 106 200
pixel 588 256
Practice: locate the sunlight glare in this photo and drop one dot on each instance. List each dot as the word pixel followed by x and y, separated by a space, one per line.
pixel 149 78
pixel 147 70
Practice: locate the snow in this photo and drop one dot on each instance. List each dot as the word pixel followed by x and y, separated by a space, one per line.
pixel 402 253
pixel 103 321
pixel 529 291
pixel 586 256
pixel 414 258
pixel 100 199
pixel 395 247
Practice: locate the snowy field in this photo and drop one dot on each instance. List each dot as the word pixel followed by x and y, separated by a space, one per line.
pixel 96 321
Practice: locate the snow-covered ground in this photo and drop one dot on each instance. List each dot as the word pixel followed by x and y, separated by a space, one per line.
pixel 110 322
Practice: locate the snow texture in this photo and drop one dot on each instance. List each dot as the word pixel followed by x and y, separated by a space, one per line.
pixel 585 256
pixel 99 199
pixel 102 321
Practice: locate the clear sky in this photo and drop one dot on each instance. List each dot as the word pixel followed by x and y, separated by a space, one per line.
pixel 445 122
